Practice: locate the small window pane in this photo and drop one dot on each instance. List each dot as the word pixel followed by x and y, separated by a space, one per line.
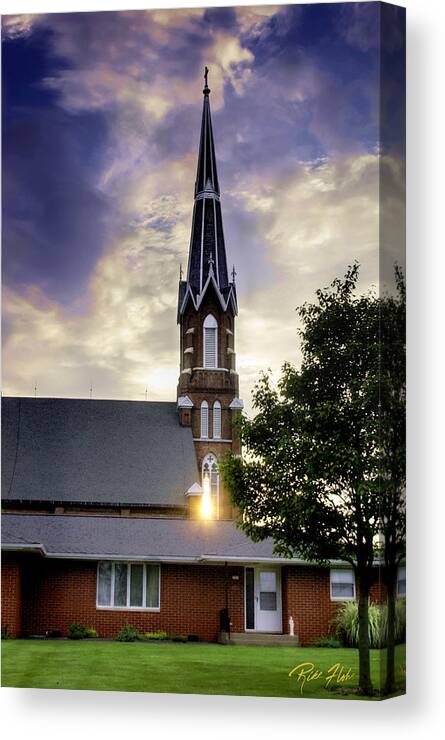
pixel 250 599
pixel 268 601
pixel 343 590
pixel 136 585
pixel 152 599
pixel 104 587
pixel 120 584
pixel 268 580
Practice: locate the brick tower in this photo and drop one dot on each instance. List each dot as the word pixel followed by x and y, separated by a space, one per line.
pixel 207 307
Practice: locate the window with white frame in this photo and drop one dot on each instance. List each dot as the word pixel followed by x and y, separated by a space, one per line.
pixel 342 584
pixel 401 581
pixel 211 472
pixel 217 420
pixel 204 420
pixel 210 342
pixel 122 585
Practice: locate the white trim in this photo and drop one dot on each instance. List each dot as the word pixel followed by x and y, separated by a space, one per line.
pixel 206 439
pixel 194 490
pixel 237 403
pixel 184 402
pixel 213 369
pixel 129 564
pixel 211 558
pixel 256 569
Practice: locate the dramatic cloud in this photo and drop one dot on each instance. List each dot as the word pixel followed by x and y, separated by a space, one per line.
pixel 101 125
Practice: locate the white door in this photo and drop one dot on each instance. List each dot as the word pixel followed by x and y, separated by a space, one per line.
pixel 263 599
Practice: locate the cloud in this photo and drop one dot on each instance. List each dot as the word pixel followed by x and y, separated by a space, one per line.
pixel 313 224
pixel 100 182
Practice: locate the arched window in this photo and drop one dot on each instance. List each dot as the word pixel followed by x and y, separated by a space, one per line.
pixel 210 481
pixel 210 342
pixel 204 419
pixel 217 420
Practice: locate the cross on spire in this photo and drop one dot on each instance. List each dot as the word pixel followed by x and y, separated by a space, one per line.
pixel 233 274
pixel 206 90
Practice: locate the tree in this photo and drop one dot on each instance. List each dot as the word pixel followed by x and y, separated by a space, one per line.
pixel 311 473
pixel 392 452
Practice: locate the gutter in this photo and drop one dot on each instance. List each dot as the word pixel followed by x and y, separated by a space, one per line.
pixel 193 559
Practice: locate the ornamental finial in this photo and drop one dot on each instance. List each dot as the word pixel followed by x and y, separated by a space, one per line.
pixel 233 274
pixel 206 90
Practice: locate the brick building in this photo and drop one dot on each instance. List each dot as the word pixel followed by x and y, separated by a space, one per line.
pixel 114 512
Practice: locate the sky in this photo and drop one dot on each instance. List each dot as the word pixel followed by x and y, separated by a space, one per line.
pixel 101 118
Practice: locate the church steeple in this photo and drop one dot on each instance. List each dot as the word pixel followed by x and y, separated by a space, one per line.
pixel 207 253
pixel 208 382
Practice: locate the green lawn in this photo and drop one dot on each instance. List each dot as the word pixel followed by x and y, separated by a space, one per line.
pixel 181 668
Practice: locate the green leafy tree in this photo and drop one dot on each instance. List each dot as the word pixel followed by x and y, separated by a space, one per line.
pixel 392 453
pixel 311 473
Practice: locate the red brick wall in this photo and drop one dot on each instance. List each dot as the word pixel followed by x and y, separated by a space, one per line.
pixel 307 598
pixel 11 595
pixel 58 593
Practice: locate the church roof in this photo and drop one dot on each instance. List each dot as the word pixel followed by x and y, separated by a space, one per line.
pixel 207 252
pixel 132 538
pixel 90 451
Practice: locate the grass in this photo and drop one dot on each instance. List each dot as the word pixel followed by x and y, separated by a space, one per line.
pixel 197 668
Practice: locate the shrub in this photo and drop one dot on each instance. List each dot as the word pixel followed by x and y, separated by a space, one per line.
pixel 80 632
pixel 178 638
pixel 159 635
pixel 5 633
pixel 346 623
pixel 327 641
pixel 128 634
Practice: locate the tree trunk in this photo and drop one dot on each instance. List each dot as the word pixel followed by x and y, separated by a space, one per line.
pixel 365 684
pixel 391 636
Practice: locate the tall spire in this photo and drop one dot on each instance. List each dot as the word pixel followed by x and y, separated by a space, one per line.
pixel 206 176
pixel 207 253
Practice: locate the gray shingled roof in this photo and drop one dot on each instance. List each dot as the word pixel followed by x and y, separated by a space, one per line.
pixel 127 538
pixel 117 452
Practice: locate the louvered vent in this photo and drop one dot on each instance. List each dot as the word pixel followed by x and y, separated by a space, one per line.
pixel 210 348
pixel 204 420
pixel 217 420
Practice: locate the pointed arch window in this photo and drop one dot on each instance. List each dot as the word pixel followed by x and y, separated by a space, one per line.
pixel 210 475
pixel 217 420
pixel 210 342
pixel 204 420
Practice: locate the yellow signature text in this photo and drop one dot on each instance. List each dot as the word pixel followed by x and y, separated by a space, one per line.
pixel 307 672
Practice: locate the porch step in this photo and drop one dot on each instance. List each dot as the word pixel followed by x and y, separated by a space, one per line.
pixel 257 638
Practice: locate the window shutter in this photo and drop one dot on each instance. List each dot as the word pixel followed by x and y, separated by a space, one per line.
pixel 204 419
pixel 217 420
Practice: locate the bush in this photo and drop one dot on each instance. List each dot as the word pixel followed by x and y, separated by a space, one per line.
pixel 159 635
pixel 328 641
pixel 346 623
pixel 80 632
pixel 5 634
pixel 178 638
pixel 128 634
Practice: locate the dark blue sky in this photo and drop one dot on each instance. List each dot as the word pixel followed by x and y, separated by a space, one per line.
pixel 101 117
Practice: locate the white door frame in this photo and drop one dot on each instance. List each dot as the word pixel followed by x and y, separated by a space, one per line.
pixel 279 622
